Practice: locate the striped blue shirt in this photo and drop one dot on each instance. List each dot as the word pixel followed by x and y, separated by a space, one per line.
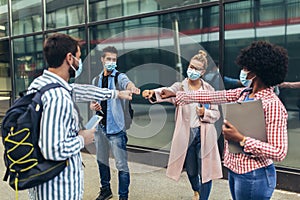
pixel 59 138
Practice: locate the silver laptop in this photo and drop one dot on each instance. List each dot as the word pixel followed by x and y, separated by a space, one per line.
pixel 248 118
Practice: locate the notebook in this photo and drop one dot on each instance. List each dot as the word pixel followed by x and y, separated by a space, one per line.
pixel 248 117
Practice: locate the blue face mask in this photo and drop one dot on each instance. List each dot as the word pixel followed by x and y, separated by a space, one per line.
pixel 110 66
pixel 193 74
pixel 79 70
pixel 243 78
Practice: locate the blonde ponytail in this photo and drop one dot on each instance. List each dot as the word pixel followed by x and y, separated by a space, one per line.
pixel 201 56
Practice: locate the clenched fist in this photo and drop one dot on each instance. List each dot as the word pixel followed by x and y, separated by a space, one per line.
pixel 147 94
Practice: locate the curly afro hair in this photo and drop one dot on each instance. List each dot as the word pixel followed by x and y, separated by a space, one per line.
pixel 268 61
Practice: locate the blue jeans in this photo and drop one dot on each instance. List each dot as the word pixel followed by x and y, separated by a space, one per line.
pixel 258 184
pixel 193 165
pixel 117 144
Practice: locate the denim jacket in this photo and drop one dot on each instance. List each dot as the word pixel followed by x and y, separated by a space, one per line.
pixel 115 120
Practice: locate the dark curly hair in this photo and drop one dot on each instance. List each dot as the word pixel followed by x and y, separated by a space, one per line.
pixel 268 61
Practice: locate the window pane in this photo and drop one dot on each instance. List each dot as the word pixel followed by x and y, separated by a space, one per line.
pixel 271 11
pixel 130 7
pixel 5 78
pixel 114 9
pixel 97 10
pixel 5 83
pixel 64 13
pixel 238 13
pixel 148 5
pixel 104 9
pixel 28 60
pixel 293 9
pixel 26 16
pixel 3 19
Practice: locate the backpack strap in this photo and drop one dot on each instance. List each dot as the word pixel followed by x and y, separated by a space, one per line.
pixel 49 86
pixel 116 80
pixel 245 90
pixel 95 81
pixel 6 174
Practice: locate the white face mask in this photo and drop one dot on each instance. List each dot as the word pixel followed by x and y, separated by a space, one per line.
pixel 110 66
pixel 193 74
pixel 79 70
pixel 243 78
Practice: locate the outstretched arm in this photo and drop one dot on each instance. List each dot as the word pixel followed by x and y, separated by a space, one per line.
pixel 131 87
pixel 290 85
pixel 85 92
pixel 159 94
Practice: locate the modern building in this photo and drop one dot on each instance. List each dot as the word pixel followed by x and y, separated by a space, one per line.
pixel 155 39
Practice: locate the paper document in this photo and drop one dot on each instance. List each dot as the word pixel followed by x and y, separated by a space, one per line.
pixel 93 122
pixel 248 117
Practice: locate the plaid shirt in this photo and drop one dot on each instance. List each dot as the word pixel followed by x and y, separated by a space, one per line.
pixel 258 154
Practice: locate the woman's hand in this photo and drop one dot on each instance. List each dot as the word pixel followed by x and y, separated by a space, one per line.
pixel 200 111
pixel 231 133
pixel 148 94
pixel 167 94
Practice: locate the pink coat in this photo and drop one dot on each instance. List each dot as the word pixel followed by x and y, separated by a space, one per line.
pixel 211 162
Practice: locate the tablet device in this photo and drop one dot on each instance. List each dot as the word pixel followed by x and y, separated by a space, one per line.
pixel 248 117
pixel 93 122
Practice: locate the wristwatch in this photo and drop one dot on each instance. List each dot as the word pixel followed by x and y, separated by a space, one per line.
pixel 242 143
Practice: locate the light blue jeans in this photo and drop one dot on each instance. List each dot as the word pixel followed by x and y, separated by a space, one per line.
pixel 193 165
pixel 258 184
pixel 117 144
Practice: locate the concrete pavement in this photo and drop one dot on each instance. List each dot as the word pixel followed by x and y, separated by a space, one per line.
pixel 147 183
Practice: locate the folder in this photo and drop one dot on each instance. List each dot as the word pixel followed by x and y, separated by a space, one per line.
pixel 248 117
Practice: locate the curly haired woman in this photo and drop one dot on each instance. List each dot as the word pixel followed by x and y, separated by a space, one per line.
pixel 252 174
pixel 194 143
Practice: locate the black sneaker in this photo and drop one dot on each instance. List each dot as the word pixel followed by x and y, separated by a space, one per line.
pixel 105 194
pixel 123 198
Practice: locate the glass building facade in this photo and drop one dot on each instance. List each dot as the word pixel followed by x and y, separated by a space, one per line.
pixel 155 40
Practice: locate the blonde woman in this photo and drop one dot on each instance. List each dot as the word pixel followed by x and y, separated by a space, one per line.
pixel 194 143
pixel 263 66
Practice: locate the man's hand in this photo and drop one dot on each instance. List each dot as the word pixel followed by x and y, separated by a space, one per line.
pixel 231 133
pixel 147 94
pixel 125 94
pixel 94 105
pixel 88 135
pixel 167 94
pixel 135 90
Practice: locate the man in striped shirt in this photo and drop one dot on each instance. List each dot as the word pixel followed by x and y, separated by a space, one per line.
pixel 252 174
pixel 60 136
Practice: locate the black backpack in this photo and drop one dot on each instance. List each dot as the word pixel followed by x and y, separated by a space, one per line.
pixel 25 165
pixel 126 104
